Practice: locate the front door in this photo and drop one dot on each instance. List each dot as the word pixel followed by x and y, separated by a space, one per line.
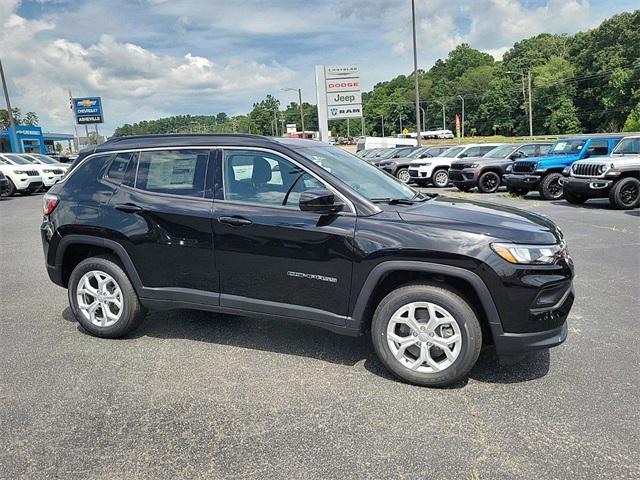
pixel 271 256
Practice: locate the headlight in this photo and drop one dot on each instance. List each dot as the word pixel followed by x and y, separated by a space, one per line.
pixel 474 165
pixel 602 168
pixel 21 172
pixel 509 168
pixel 46 170
pixel 539 168
pixel 426 164
pixel 566 171
pixel 527 254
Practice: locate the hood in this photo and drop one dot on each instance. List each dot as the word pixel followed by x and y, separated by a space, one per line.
pixel 620 160
pixel 554 159
pixel 470 160
pixel 498 222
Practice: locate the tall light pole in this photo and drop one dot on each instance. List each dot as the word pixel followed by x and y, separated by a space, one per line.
pixel 424 117
pixel 415 71
pixel 444 114
pixel 299 90
pixel 12 122
pixel 382 117
pixel 462 98
pixel 528 77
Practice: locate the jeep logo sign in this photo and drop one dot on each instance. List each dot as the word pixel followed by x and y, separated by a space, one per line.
pixel 344 98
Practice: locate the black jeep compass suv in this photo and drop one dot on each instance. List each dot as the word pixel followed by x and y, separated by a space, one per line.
pixel 292 228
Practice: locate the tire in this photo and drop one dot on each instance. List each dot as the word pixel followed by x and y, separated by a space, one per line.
pixel 625 194
pixel 463 189
pixel 468 331
pixel 440 178
pixel 550 188
pixel 12 189
pixel 403 175
pixel 489 182
pixel 131 311
pixel 517 191
pixel 574 198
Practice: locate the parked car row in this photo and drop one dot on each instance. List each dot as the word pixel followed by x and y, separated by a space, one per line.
pixel 26 173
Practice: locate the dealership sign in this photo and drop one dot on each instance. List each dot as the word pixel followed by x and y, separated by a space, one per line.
pixel 338 94
pixel 88 110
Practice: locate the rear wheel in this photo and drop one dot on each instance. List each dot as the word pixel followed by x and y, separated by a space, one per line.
pixel 550 188
pixel 103 299
pixel 625 194
pixel 574 198
pixel 426 335
pixel 440 178
pixel 403 175
pixel 489 182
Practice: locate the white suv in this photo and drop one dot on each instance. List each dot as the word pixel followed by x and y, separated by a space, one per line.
pixel 50 174
pixel 46 160
pixel 436 169
pixel 22 179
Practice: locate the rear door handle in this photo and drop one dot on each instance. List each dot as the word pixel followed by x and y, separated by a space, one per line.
pixel 128 207
pixel 235 221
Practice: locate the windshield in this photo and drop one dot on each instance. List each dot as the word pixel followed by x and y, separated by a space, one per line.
pixel 417 152
pixel 502 151
pixel 44 158
pixel 387 153
pixel 564 147
pixel 364 178
pixel 18 159
pixel 452 152
pixel 628 146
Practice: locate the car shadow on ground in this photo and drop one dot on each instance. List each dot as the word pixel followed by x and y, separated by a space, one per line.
pixel 593 204
pixel 635 213
pixel 293 338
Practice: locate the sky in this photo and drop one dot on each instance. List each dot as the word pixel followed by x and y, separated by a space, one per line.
pixel 154 58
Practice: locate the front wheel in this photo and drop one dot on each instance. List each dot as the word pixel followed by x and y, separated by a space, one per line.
pixel 11 191
pixel 103 299
pixel 426 335
pixel 403 175
pixel 550 188
pixel 489 182
pixel 440 178
pixel 625 194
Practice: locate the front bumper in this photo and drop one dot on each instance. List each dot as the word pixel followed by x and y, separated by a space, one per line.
pixel 420 173
pixel 528 182
pixel 464 178
pixel 589 187
pixel 29 184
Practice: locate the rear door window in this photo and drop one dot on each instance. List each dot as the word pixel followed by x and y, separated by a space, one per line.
pixel 119 166
pixel 176 172
pixel 598 147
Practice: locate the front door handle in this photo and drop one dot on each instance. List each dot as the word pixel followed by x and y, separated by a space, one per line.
pixel 128 207
pixel 235 221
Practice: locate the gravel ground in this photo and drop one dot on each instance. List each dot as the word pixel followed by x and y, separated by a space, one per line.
pixel 199 395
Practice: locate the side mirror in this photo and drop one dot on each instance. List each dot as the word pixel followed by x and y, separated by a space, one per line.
pixel 515 155
pixel 463 155
pixel 425 155
pixel 319 200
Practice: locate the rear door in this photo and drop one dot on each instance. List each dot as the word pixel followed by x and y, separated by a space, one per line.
pixel 272 257
pixel 161 214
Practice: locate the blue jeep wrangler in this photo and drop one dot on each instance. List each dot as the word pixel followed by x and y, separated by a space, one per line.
pixel 545 172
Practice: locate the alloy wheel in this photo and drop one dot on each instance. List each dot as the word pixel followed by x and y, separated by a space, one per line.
pixel 441 178
pixel 99 298
pixel 424 337
pixel 629 193
pixel 403 176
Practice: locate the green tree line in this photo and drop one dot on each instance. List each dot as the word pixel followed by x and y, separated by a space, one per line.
pixel 588 82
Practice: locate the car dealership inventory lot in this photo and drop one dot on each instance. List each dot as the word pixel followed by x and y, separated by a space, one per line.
pixel 196 394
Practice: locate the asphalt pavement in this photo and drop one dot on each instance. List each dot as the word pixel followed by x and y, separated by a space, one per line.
pixel 201 395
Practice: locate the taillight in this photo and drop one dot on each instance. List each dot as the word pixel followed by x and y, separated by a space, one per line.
pixel 49 203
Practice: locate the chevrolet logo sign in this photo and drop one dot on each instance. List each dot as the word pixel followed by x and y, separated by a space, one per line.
pixel 87 103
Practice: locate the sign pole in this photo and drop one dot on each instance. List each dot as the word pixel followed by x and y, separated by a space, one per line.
pixel 415 72
pixel 12 122
pixel 321 101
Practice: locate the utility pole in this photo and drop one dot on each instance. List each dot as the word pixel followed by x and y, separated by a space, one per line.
pixel 382 116
pixel 415 71
pixel 400 122
pixel 12 122
pixel 299 90
pixel 444 122
pixel 530 105
pixel 275 122
pixel 462 98
pixel 348 134
pixel 424 118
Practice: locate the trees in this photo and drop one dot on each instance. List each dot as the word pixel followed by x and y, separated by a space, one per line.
pixel 30 118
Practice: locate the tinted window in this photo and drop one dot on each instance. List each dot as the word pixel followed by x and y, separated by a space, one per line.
pixel 543 149
pixel 598 147
pixel 529 150
pixel 264 178
pixel 472 152
pixel 118 167
pixel 486 149
pixel 178 172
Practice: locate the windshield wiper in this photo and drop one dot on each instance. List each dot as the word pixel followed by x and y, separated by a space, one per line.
pixel 418 197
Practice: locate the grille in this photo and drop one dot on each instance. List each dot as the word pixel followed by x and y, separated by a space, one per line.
pixel 58 172
pixel 457 166
pixel 455 175
pixel 32 173
pixel 586 169
pixel 524 167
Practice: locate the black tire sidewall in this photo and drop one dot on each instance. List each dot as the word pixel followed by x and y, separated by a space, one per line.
pixel 132 312
pixel 461 311
pixel 481 186
pixel 544 186
pixel 615 199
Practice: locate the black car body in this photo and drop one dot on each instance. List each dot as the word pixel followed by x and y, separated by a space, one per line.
pixel 197 222
pixel 486 172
